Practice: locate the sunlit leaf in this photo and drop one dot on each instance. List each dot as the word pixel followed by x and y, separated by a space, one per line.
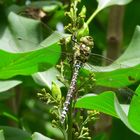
pixel 104 103
pixel 56 92
pixel 55 131
pixel 45 78
pixel 1 135
pixel 8 84
pixel 38 136
pixel 108 103
pixel 24 57
pixel 134 111
pixel 106 3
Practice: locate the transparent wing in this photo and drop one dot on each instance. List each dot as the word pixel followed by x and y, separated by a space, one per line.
pixel 120 78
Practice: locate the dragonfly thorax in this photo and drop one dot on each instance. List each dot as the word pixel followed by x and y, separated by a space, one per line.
pixel 83 49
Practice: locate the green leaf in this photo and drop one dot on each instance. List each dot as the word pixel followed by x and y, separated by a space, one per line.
pixel 134 110
pixel 10 116
pixel 2 135
pixel 8 84
pixel 28 29
pixel 15 134
pixel 107 103
pixel 128 58
pixel 56 92
pixel 47 77
pixel 103 103
pixel 124 71
pixel 47 6
pixel 38 136
pixel 25 57
pixel 106 3
pixel 56 132
pixel 26 63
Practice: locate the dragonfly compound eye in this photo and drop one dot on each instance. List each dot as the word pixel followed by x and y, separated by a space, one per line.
pixel 87 40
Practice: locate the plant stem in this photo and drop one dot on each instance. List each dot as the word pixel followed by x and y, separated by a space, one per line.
pixel 92 16
pixel 64 133
pixel 14 103
pixel 115 32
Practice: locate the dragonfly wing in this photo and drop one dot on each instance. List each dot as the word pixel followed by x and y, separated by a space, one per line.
pixel 115 81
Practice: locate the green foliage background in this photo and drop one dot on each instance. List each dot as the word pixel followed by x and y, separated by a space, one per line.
pixel 28 66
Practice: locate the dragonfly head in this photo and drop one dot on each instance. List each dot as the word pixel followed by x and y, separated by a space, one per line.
pixel 87 40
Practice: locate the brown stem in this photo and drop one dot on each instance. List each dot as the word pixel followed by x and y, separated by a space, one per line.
pixel 114 40
pixel 14 103
pixel 115 31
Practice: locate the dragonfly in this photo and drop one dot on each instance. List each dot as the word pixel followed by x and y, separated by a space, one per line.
pixel 82 52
